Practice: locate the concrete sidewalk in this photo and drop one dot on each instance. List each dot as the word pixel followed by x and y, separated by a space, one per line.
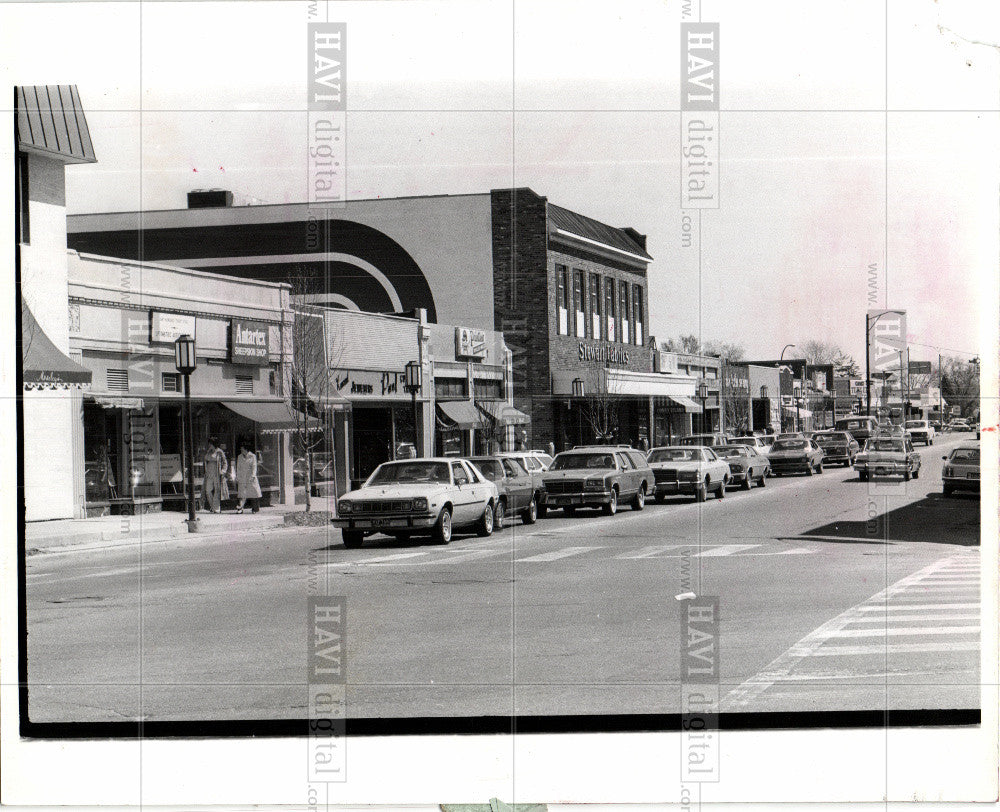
pixel 106 531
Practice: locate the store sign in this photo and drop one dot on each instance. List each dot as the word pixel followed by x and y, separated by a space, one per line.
pixel 920 367
pixel 602 353
pixel 665 362
pixel 170 468
pixel 357 384
pixel 249 342
pixel 470 343
pixel 166 328
pixel 737 380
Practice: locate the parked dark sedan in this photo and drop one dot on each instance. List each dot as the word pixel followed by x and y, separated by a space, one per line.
pixel 801 455
pixel 520 491
pixel 838 446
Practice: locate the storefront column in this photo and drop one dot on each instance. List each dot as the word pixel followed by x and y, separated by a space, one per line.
pixel 342 450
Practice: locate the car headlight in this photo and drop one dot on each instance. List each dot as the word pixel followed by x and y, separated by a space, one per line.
pixel 594 485
pixel 420 503
pixel 947 471
pixel 344 506
pixel 736 468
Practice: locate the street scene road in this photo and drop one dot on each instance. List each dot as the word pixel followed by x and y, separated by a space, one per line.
pixel 834 595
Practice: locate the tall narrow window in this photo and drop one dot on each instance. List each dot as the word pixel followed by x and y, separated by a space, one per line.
pixel 562 301
pixel 623 310
pixel 609 306
pixel 637 313
pixel 578 299
pixel 595 306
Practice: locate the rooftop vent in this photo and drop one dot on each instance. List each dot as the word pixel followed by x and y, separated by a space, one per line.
pixel 210 199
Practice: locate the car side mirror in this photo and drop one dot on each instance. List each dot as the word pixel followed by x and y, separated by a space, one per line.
pixel 944 457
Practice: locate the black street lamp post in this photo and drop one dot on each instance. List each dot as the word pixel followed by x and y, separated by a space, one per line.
pixel 414 383
pixel 703 394
pixel 186 361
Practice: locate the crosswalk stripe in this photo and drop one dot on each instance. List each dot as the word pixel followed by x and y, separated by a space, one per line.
pixel 384 558
pixel 725 549
pixel 896 632
pixel 895 648
pixel 451 559
pixel 557 554
pixel 906 617
pixel 915 607
pixel 649 552
pixel 796 551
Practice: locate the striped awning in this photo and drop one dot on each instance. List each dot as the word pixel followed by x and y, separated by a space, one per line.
pixel 49 119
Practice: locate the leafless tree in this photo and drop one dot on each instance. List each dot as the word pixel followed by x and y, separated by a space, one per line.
pixel 601 405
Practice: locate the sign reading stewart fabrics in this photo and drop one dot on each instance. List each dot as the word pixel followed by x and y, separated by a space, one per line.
pixel 249 342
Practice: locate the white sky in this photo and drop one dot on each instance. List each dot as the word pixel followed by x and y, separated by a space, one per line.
pixel 578 100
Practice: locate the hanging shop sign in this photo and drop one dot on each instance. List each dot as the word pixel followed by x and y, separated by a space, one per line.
pixel 470 343
pixel 366 384
pixel 249 342
pixel 166 328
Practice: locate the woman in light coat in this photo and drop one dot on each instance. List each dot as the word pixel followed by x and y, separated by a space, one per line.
pixel 247 486
pixel 215 465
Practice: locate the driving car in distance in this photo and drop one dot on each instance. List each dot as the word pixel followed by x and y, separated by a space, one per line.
pixel 961 469
pixel 518 490
pixel 860 427
pixel 921 431
pixel 598 476
pixel 838 446
pixel 790 435
pixel 796 454
pixel 694 470
pixel 959 424
pixel 746 466
pixel 754 441
pixel 886 455
pixel 428 496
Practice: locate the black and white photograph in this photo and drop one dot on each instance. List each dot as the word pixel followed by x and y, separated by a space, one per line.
pixel 425 401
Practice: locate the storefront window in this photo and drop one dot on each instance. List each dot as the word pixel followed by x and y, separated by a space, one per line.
pixel 488 389
pixel 101 452
pixel 445 388
pixel 562 300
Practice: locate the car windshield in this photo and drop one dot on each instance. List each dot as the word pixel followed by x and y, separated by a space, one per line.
pixel 789 445
pixel 881 444
pixel 847 425
pixel 697 439
pixel 565 462
pixel 675 455
pixel 730 451
pixel 745 441
pixel 404 473
pixel 830 438
pixel 914 424
pixel 491 468
pixel 965 455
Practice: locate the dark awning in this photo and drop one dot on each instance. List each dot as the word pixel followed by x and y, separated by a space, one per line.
pixel 272 417
pixel 45 365
pixel 461 413
pixel 49 119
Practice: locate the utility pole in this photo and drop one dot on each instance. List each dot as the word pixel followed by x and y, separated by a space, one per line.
pixel 940 392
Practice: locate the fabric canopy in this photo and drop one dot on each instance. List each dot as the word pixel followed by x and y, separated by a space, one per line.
pixel 504 413
pixel 689 405
pixel 272 417
pixel 462 413
pixel 45 365
pixel 116 402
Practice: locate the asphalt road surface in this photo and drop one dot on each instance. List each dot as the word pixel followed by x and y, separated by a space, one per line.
pixel 833 594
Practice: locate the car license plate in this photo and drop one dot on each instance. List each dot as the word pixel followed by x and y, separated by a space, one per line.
pixel 881 472
pixel 972 476
pixel 373 523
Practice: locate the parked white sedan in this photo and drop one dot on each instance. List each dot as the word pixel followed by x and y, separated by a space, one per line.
pixel 418 497
pixel 688 469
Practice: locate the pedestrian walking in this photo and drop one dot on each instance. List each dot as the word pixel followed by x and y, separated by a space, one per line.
pixel 215 466
pixel 247 486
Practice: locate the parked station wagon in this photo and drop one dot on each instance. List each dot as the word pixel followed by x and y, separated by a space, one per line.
pixel 598 476
pixel 428 496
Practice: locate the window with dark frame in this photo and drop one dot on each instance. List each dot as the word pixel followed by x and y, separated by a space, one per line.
pixel 486 389
pixel 562 301
pixel 637 314
pixel 623 311
pixel 580 322
pixel 595 306
pixel 610 310
pixel 451 388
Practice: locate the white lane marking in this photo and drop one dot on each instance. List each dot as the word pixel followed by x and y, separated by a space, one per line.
pixel 725 549
pixel 964 579
pixel 451 559
pixel 813 643
pixel 905 632
pixel 563 553
pixel 917 607
pixel 649 552
pixel 897 648
pixel 382 559
pixel 796 551
pixel 907 617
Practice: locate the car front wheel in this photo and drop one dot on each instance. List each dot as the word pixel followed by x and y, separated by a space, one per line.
pixel 748 481
pixel 611 508
pixel 442 530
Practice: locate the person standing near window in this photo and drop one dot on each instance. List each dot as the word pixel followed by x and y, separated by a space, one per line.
pixel 215 465
pixel 247 485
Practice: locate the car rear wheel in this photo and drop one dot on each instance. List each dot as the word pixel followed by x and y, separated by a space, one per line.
pixel 485 526
pixel 639 501
pixel 948 489
pixel 611 508
pixel 542 511
pixel 916 473
pixel 763 477
pixel 809 468
pixel 499 515
pixel 530 514
pixel 352 538
pixel 442 529
pixel 907 475
pixel 819 467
